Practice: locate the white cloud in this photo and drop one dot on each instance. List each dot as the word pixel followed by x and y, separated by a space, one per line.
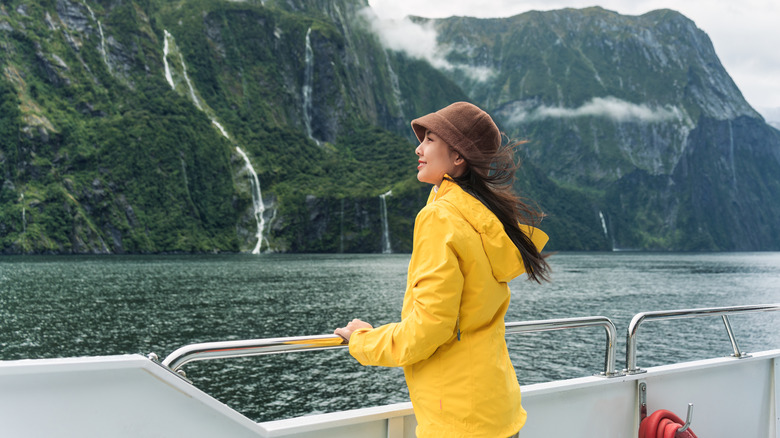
pixel 606 107
pixel 419 41
pixel 403 35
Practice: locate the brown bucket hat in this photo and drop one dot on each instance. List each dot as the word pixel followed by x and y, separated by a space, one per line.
pixel 465 127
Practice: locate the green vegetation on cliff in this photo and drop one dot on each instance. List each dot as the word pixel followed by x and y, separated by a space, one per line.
pixel 121 124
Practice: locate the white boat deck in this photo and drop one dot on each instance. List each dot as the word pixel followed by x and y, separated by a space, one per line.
pixel 131 396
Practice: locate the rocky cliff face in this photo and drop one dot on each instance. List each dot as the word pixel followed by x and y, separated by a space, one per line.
pixel 635 112
pixel 204 125
pixel 147 126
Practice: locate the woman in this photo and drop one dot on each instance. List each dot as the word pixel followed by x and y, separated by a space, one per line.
pixel 467 246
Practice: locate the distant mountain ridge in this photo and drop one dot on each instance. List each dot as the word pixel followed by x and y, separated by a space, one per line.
pixel 636 112
pixel 150 126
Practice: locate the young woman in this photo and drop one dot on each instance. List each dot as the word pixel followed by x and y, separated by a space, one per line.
pixel 468 245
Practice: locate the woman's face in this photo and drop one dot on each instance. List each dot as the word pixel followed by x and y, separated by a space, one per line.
pixel 436 159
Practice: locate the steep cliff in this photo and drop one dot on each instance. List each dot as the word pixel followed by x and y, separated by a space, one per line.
pixel 634 112
pixel 137 126
pixel 283 125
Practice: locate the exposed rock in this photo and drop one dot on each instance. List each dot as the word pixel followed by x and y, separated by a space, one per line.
pixel 74 16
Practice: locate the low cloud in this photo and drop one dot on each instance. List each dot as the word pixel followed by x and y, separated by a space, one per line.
pixel 419 41
pixel 605 107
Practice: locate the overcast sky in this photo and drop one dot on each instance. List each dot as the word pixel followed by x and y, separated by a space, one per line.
pixel 745 33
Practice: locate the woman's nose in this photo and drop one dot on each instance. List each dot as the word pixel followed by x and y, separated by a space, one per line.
pixel 418 150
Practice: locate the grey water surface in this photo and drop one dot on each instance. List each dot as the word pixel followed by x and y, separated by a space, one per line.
pixel 66 306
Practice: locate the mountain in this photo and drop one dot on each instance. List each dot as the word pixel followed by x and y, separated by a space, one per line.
pixel 125 126
pixel 634 112
pixel 147 126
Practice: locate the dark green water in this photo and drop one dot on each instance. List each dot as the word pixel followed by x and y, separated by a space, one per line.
pixel 83 306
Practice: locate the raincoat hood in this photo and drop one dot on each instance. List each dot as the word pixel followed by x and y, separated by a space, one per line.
pixel 504 257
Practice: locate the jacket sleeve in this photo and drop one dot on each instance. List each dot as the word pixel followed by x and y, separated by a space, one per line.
pixel 435 283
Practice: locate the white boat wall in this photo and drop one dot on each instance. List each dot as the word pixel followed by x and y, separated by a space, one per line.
pixel 135 396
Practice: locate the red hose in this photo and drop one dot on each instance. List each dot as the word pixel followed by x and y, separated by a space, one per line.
pixel 663 424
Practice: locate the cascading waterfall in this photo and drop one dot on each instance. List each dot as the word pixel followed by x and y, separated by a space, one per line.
pixel 189 83
pixel 221 128
pixel 166 49
pixel 603 224
pixel 24 219
pixel 386 249
pixel 102 37
pixel 308 86
pixel 254 181
pixel 103 46
pixel 257 200
pixel 606 231
pixel 731 157
pixel 395 86
pixel 169 77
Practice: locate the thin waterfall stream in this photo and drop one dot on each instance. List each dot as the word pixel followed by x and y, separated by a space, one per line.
pixel 258 207
pixel 308 87
pixel 166 49
pixel 103 51
pixel 257 201
pixel 386 248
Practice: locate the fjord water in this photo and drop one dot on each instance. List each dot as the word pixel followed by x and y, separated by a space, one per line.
pixel 62 306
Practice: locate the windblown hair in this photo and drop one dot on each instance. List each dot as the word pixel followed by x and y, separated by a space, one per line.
pixel 490 180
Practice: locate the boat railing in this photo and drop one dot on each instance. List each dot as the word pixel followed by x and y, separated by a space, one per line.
pixel 249 347
pixel 257 347
pixel 570 323
pixel 723 312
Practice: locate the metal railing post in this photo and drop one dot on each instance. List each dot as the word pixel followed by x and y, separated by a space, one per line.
pixel 639 318
pixel 732 338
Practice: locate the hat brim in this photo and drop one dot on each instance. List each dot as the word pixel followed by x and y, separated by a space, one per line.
pixel 440 126
pixel 419 128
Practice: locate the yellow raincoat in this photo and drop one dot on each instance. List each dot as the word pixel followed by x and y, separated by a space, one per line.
pixel 450 340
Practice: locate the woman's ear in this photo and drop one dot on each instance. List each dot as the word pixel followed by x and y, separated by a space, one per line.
pixel 458 159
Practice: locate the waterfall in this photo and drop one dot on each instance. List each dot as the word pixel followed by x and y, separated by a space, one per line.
pixel 257 200
pixel 603 224
pixel 731 157
pixel 308 86
pixel 102 37
pixel 257 196
pixel 166 49
pixel 221 128
pixel 24 219
pixel 606 232
pixel 189 84
pixel 190 88
pixel 386 249
pixel 169 77
pixel 103 46
pixel 395 86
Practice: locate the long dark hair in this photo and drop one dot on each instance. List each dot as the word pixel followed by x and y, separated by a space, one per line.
pixel 490 179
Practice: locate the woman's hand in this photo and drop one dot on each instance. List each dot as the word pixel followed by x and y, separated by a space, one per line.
pixel 355 324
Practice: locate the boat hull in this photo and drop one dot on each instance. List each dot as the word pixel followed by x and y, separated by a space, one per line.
pixel 131 396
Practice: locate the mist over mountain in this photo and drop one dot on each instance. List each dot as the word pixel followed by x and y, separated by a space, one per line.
pixel 151 126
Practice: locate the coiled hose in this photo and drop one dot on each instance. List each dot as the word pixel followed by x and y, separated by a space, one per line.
pixel 663 424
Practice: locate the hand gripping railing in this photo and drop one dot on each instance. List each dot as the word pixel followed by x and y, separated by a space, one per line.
pixel 256 347
pixel 633 327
